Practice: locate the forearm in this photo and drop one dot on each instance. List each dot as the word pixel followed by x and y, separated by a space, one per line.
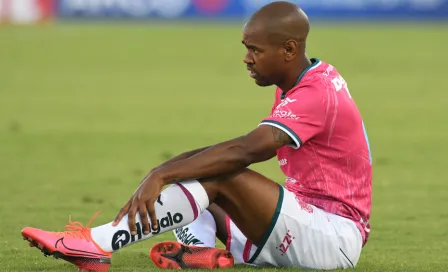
pixel 180 157
pixel 223 158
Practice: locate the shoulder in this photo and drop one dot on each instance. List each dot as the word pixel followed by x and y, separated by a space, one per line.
pixel 319 81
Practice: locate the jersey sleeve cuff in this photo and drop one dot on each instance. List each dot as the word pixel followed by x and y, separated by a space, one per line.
pixel 286 129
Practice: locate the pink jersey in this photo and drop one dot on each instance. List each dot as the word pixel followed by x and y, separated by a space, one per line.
pixel 330 164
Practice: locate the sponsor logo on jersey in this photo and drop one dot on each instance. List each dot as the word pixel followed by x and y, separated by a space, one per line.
pixel 282 111
pixel 283 162
pixel 284 115
pixel 286 242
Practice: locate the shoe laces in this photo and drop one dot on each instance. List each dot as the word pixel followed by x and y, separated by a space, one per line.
pixel 77 230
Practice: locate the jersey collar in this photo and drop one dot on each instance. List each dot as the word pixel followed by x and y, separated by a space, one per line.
pixel 314 63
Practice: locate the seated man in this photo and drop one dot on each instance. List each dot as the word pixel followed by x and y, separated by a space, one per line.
pixel 319 220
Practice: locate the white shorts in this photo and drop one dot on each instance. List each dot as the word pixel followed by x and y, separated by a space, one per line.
pixel 300 236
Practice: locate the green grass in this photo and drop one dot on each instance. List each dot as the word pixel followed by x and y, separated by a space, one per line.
pixel 86 111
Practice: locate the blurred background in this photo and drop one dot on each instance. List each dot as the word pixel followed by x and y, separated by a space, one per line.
pixel 95 93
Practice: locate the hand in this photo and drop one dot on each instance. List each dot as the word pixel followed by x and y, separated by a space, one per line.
pixel 142 202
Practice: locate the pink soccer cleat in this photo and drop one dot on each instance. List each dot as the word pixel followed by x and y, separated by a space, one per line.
pixel 75 245
pixel 174 255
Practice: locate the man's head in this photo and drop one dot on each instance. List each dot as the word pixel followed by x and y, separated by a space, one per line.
pixel 275 38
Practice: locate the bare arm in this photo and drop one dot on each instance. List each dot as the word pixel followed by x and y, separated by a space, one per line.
pixel 233 155
pixel 226 157
pixel 180 157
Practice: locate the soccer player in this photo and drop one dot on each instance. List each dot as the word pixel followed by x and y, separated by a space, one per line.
pixel 318 220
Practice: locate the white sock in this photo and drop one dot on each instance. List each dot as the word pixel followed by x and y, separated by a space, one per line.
pixel 177 206
pixel 200 232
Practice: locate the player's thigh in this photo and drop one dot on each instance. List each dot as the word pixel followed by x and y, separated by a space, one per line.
pixel 248 198
pixel 306 237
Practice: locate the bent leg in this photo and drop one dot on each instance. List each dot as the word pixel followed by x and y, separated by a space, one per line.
pixel 248 198
pixel 281 229
pixel 229 234
pixel 204 231
pixel 304 236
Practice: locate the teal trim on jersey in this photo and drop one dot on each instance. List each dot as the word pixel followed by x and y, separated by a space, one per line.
pixel 314 62
pixel 271 225
pixel 367 141
pixel 296 137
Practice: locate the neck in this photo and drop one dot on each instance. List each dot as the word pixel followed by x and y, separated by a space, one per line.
pixel 293 74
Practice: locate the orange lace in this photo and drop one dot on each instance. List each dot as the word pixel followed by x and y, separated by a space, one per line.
pixel 76 229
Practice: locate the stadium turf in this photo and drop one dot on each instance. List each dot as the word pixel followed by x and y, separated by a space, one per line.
pixel 87 110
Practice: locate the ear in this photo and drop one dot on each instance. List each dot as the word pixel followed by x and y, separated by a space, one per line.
pixel 290 48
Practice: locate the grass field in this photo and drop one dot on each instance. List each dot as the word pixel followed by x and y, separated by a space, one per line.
pixel 87 110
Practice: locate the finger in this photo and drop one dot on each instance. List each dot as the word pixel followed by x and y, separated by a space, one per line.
pixel 144 217
pixel 152 214
pixel 123 211
pixel 131 218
